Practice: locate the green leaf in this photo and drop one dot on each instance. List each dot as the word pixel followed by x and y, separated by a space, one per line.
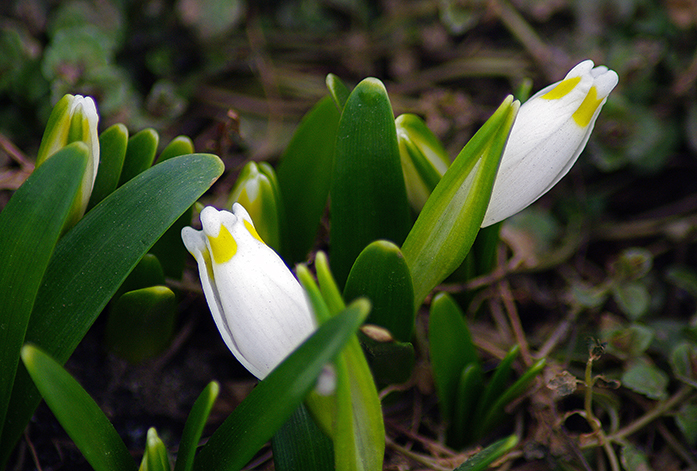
pixel 497 384
pixel 194 427
pixel 115 234
pixel 645 378
pixel 488 455
pixel 449 221
pixel 77 413
pixel 30 226
pixel 327 286
pixel 338 90
pixel 391 362
pixel 451 349
pixel 180 145
pixel 469 388
pixel 141 323
pixel 632 297
pixel 381 274
pixel 368 196
pixel 272 402
pixel 633 459
pixel 155 457
pixel 304 177
pixel 686 418
pixel 140 154
pixel 112 152
pixel 301 445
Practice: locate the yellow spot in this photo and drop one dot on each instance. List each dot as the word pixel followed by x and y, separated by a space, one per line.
pixel 253 231
pixel 223 247
pixel 585 112
pixel 562 89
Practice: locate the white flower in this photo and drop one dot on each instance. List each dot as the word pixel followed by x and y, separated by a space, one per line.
pixel 551 130
pixel 259 307
pixel 74 118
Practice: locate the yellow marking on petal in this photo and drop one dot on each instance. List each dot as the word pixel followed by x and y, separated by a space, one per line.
pixel 562 89
pixel 585 112
pixel 208 264
pixel 223 247
pixel 253 231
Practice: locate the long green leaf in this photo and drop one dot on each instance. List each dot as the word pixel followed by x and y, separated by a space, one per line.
pixel 368 194
pixel 273 401
pixel 29 229
pixel 77 413
pixel 301 445
pixel 140 154
pixel 112 151
pixel 488 455
pixel 194 427
pixel 304 177
pixel 92 260
pixel 449 221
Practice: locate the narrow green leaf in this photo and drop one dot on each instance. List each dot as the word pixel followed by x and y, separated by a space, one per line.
pixel 194 427
pixel 488 455
pixel 140 154
pixel 451 347
pixel 469 388
pixel 77 413
pixel 304 177
pixel 330 291
pixel 497 384
pixel 112 152
pixel 338 90
pixel 496 412
pixel 381 274
pixel 368 195
pixel 449 221
pixel 115 234
pixel 301 445
pixel 155 457
pixel 272 402
pixel 30 226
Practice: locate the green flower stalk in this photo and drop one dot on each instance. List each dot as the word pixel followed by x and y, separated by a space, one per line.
pixel 550 132
pixel 74 118
pixel 258 306
pixel 424 159
pixel 257 190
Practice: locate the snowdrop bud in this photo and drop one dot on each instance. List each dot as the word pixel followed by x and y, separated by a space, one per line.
pixel 257 190
pixel 551 130
pixel 74 118
pixel 258 306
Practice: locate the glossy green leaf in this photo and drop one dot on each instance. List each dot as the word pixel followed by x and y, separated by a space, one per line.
pixel 30 226
pixel 304 177
pixel 451 348
pixel 155 457
pixel 381 274
pixel 488 455
pixel 141 323
pixel 112 152
pixel 180 145
pixel 368 196
pixel 301 445
pixel 469 388
pixel 194 427
pixel 77 413
pixel 140 154
pixel 273 401
pixel 330 291
pixel 338 90
pixel 115 234
pixel 449 221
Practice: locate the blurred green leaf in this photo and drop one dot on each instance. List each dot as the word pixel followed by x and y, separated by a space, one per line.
pixel 488 455
pixel 686 419
pixel 194 427
pixel 301 445
pixel 391 362
pixel 381 274
pixel 155 457
pixel 368 196
pixel 645 378
pixel 30 225
pixel 77 413
pixel 140 154
pixel 114 234
pixel 632 297
pixel 633 459
pixel 141 323
pixel 683 361
pixel 304 177
pixel 112 152
pixel 180 145
pixel 451 350
pixel 271 403
pixel 450 220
